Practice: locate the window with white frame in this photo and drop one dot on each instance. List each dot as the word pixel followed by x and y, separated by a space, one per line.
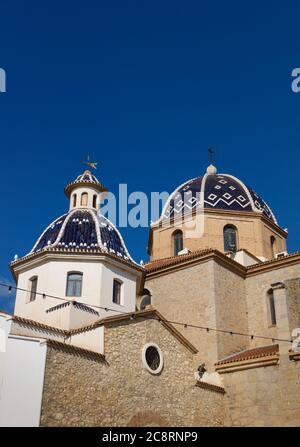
pixel 152 358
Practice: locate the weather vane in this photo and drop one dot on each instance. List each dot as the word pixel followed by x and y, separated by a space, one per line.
pixel 211 154
pixel 88 162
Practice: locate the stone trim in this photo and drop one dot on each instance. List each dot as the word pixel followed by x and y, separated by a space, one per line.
pixel 174 263
pixel 249 354
pixel 247 364
pixel 52 252
pixel 161 358
pixel 273 264
pixel 295 356
pixel 210 386
pixel 164 266
pixel 84 183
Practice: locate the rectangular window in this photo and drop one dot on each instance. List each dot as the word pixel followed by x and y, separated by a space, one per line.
pixel 33 288
pixel 117 291
pixel 272 309
pixel 74 284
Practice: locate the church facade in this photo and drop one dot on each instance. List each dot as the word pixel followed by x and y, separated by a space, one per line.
pixel 199 336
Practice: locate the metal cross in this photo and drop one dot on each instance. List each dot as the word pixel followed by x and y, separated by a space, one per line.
pixel 211 153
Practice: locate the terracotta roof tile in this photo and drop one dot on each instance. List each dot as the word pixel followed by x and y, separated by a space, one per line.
pixel 173 260
pixel 275 261
pixel 76 350
pixel 249 354
pixel 38 325
pixel 151 313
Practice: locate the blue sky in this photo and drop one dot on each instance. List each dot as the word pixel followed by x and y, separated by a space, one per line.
pixel 146 88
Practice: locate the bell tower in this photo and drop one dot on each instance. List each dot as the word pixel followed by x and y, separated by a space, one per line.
pixel 85 192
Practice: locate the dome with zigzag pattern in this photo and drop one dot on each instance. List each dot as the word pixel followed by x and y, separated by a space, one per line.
pixel 215 191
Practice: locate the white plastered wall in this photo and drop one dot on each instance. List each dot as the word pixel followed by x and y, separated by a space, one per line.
pixel 97 287
pixel 22 382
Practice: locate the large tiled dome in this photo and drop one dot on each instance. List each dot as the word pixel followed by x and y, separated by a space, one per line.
pixel 83 229
pixel 215 191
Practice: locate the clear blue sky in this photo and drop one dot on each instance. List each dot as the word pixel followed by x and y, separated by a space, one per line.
pixel 146 87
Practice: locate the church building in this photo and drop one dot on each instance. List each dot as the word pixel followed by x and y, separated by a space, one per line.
pixel 201 335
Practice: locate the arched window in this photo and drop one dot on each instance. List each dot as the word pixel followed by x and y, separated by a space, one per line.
pixel 177 237
pixel 271 307
pixel 84 199
pixel 273 246
pixel 74 284
pixel 230 238
pixel 74 200
pixel 117 291
pixel 146 299
pixel 33 288
pixel 94 201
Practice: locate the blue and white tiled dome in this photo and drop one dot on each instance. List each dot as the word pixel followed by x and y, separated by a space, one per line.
pixel 215 191
pixel 85 179
pixel 83 229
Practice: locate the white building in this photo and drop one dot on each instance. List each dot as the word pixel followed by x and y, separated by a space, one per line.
pixel 78 267
pixel 78 272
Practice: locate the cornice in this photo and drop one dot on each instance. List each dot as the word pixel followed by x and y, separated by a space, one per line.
pixel 54 253
pixel 183 261
pixel 168 265
pixel 274 264
pixel 247 364
pixel 218 212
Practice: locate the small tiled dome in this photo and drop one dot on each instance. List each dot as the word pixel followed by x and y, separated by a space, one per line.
pixel 83 229
pixel 215 191
pixel 85 179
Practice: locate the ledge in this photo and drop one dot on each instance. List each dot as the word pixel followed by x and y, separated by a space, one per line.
pixel 210 386
pixel 247 364
pixel 295 356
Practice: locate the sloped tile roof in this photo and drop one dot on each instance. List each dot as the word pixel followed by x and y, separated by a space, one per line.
pixel 249 354
pixel 173 260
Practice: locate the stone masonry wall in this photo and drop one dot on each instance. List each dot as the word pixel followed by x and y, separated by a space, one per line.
pixel 206 294
pixel 231 311
pixel 81 392
pixel 188 295
pixel 264 397
pixel 293 302
pixel 256 294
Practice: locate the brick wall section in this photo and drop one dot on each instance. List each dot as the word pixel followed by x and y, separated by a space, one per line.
pixel 82 392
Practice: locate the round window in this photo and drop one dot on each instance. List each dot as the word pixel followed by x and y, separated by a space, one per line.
pixel 152 358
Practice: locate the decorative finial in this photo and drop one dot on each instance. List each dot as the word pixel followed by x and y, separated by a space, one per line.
pixel 88 162
pixel 211 168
